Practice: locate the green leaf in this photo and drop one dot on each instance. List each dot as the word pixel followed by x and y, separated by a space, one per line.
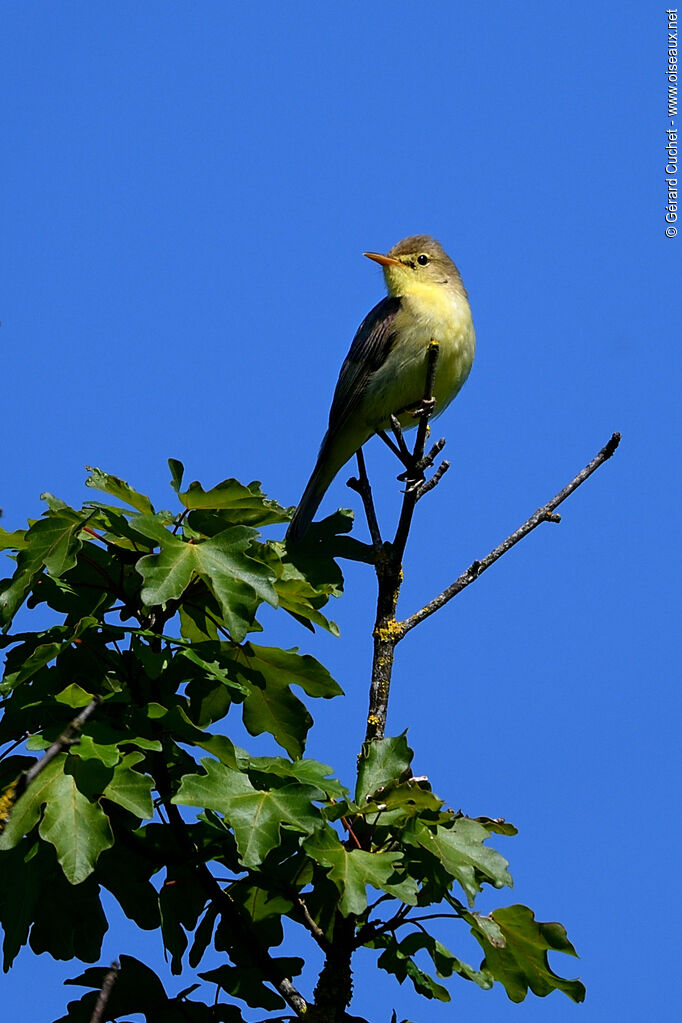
pixel 214 664
pixel 254 815
pixel 68 918
pixel 64 920
pixel 203 935
pixel 382 762
pixel 25 661
pixel 444 961
pixel 20 887
pixel 131 790
pixel 119 489
pixel 226 752
pixel 247 984
pixel 137 989
pixel 15 541
pixel 52 543
pixel 26 811
pixel 273 708
pixel 41 656
pixel 351 871
pixel 397 959
pixel 125 871
pixel 459 847
pixel 518 956
pixel 177 472
pixel 270 706
pixel 310 772
pixel 236 580
pixel 241 505
pixel 497 825
pixel 303 600
pixel 292 668
pixel 74 696
pixel 78 829
pixel 181 902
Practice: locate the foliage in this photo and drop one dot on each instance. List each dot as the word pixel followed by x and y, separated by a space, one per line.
pixel 152 617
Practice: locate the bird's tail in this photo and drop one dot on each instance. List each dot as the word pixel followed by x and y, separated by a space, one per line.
pixel 329 461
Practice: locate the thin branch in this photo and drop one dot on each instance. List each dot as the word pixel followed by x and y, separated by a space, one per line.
pixel 105 991
pixel 390 444
pixel 544 514
pixel 388 566
pixel 403 450
pixel 435 479
pixel 430 916
pixel 373 928
pixel 69 737
pixel 179 521
pixel 12 746
pixel 316 931
pixel 362 487
pixel 354 840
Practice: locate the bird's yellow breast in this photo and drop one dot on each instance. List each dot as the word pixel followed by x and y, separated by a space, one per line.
pixel 428 311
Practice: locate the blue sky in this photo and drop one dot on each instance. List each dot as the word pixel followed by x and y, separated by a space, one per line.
pixel 188 188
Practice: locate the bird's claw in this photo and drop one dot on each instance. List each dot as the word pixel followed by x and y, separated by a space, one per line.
pixel 423 408
pixel 413 477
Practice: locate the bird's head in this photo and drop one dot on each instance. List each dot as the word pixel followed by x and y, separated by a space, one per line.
pixel 416 263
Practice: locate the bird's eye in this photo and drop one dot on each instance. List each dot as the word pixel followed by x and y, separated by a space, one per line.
pixel 422 260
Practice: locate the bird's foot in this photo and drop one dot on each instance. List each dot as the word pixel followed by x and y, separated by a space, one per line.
pixel 423 408
pixel 413 477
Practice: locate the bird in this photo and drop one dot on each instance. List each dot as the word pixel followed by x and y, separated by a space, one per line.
pixel 384 373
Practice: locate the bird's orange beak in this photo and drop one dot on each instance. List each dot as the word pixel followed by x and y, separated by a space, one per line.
pixel 381 259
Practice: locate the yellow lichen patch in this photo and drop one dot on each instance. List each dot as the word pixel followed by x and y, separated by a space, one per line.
pixel 7 800
pixel 389 632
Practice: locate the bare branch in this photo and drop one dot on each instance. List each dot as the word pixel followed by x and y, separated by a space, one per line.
pixel 544 514
pixel 391 444
pixel 105 991
pixel 361 486
pixel 316 931
pixel 435 479
pixel 404 451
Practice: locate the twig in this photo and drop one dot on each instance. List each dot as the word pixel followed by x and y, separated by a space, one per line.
pixel 390 443
pixel 69 737
pixel 400 440
pixel 105 991
pixel 179 521
pixel 435 450
pixel 362 487
pixel 13 746
pixel 435 479
pixel 544 514
pixel 316 931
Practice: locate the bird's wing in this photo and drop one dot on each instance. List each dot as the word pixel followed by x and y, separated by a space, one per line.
pixel 372 343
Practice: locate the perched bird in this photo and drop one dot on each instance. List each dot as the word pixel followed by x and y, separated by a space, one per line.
pixel 384 372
